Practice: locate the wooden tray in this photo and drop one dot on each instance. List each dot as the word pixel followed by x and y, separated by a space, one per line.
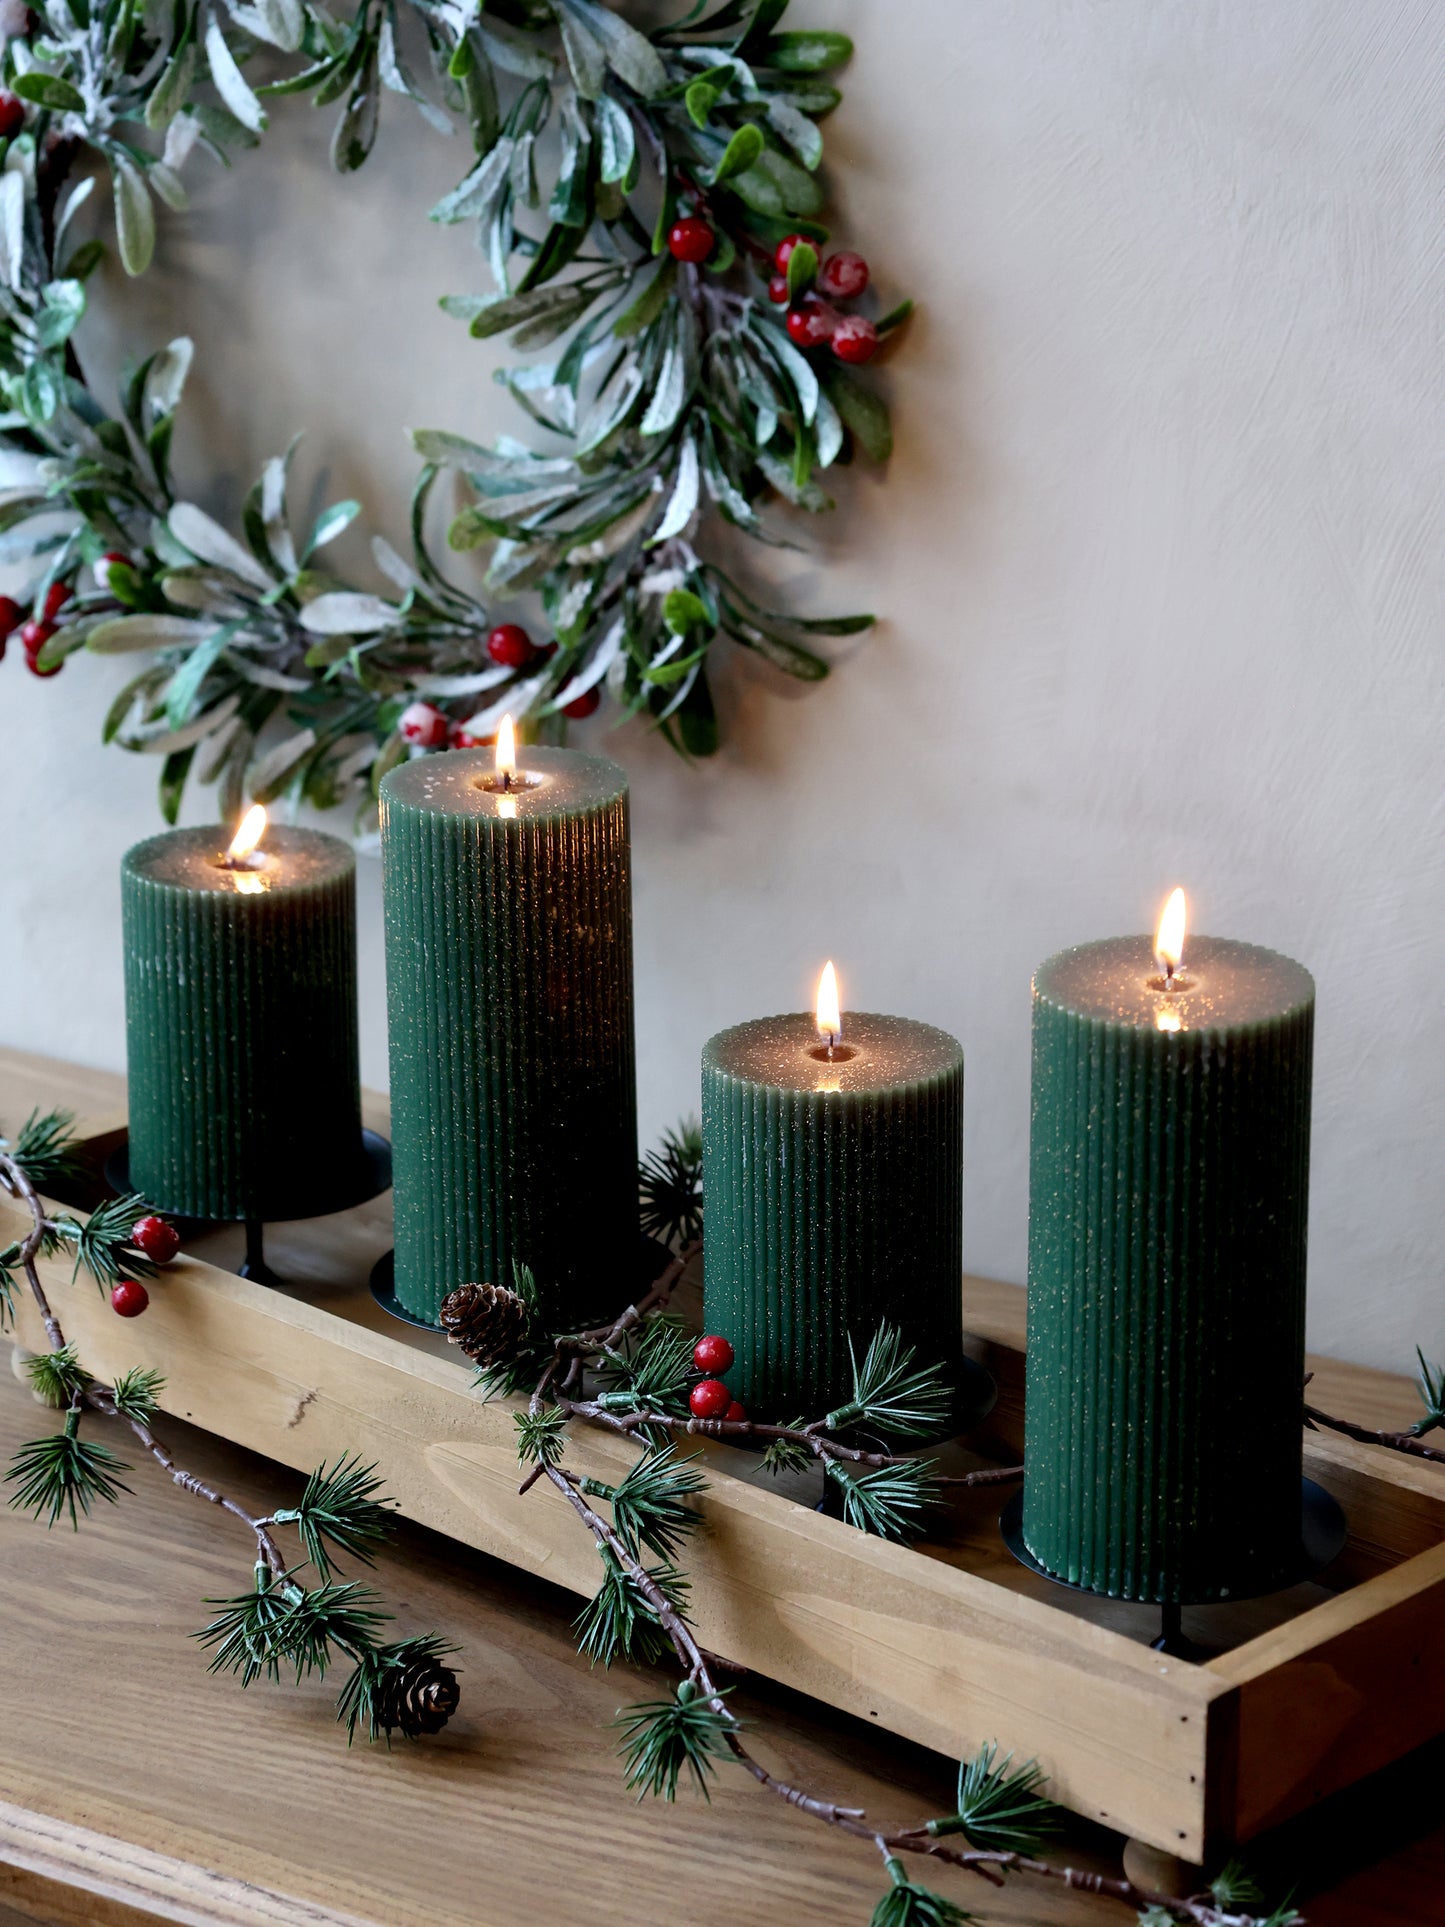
pixel 951 1644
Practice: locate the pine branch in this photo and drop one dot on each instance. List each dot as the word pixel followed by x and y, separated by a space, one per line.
pixel 663 1739
pixel 1431 1386
pixel 653 1372
pixel 907 1905
pixel 541 1436
pixel 887 1500
pixel 136 1394
pixel 670 1187
pixel 280 1624
pixel 650 1507
pixel 46 1151
pixel 58 1475
pixel 891 1392
pixel 1235 1887
pixel 620 1621
pixel 339 1508
pixel 57 1377
pixel 999 1808
pixel 103 1242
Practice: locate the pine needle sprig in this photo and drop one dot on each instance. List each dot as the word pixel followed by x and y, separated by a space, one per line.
pixel 136 1393
pixel 1000 1808
pixel 670 1187
pixel 47 1150
pixel 908 1905
pixel 618 1621
pixel 663 1739
pixel 787 1455
pixel 541 1436
pixel 1234 1887
pixel 8 1260
pixel 344 1616
pixel 57 1377
pixel 891 1392
pixel 250 1633
pixel 64 1474
pixel 406 1687
pixel 513 1377
pixel 1431 1385
pixel 650 1507
pixel 339 1508
pixel 887 1500
pixel 653 1373
pixel 103 1243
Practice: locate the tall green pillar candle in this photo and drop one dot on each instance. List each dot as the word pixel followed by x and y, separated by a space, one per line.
pixel 509 993
pixel 240 998
pixel 834 1201
pixel 1169 1178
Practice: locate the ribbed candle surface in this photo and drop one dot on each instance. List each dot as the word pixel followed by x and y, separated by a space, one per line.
pixel 509 992
pixel 241 1048
pixel 1169 1184
pixel 834 1201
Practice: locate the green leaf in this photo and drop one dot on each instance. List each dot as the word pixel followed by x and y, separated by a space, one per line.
pixel 135 218
pixel 741 153
pixel 802 269
pixel 329 524
pixel 863 412
pixel 49 90
pixel 186 683
pixel 240 102
pixel 122 634
pixel 656 290
pixel 172 782
pixel 701 99
pixel 172 90
pixel 682 611
pixel 810 52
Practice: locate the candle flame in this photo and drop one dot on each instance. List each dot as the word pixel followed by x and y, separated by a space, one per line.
pixel 505 763
pixel 249 832
pixel 1169 940
pixel 830 1016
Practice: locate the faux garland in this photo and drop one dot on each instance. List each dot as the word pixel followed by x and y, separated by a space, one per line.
pixel 643 1377
pixel 648 207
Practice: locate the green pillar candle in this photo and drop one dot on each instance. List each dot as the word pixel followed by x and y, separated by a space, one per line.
pixel 509 991
pixel 1169 1179
pixel 240 994
pixel 834 1201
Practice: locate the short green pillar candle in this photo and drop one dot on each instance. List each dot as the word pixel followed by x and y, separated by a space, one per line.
pixel 1169 1180
pixel 241 1045
pixel 508 905
pixel 834 1193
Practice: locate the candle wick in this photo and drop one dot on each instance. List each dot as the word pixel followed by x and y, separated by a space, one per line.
pixel 832 1039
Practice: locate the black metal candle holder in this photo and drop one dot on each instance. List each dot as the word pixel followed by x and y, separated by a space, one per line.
pixel 373 1177
pixel 1321 1540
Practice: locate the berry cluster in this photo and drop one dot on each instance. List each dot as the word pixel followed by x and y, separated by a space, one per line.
pixel 814 320
pixel 424 726
pixel 710 1397
pixel 39 624
pixel 160 1242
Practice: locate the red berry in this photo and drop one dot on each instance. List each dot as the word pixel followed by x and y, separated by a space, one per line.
pixel 11 616
pixel 34 635
pixel 12 114
pixel 56 597
pixel 855 339
pixel 129 1298
pixel 783 252
pixel 101 569
pixel 778 290
pixel 843 276
pixel 510 645
pixel 159 1240
pixel 709 1398
pixel 423 725
pixel 691 240
pixel 587 704
pixel 712 1354
pixel 735 1413
pixel 811 324
pixel 460 737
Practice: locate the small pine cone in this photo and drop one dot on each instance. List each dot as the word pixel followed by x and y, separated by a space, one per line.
pixel 489 1322
pixel 417 1698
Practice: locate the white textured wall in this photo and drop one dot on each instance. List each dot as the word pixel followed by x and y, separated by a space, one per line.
pixel 1160 556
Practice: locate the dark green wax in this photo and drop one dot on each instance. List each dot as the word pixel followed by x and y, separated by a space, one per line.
pixel 509 994
pixel 1168 1195
pixel 240 993
pixel 834 1201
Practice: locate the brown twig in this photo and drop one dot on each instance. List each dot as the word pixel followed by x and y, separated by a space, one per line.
pixel 1406 1442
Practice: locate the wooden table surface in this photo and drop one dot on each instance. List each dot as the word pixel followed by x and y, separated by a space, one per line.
pixel 136 1787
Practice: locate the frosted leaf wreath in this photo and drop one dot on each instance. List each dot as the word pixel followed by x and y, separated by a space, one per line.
pixel 671 259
